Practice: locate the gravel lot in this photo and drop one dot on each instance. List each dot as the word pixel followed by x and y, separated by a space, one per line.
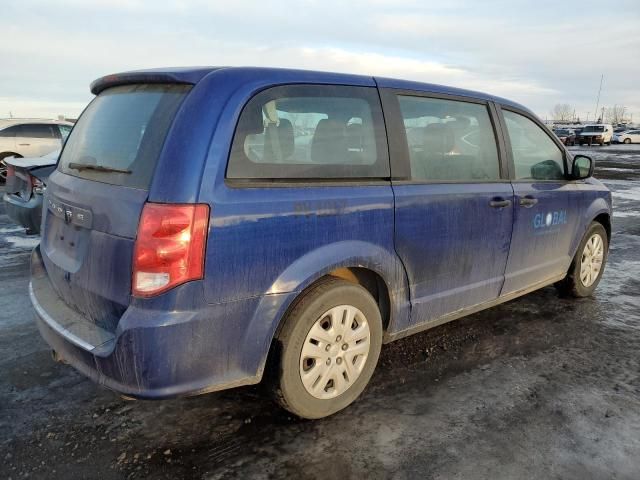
pixel 541 387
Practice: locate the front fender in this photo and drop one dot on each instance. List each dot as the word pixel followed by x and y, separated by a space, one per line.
pixel 598 206
pixel 316 264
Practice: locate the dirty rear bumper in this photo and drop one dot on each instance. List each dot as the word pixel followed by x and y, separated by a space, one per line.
pixel 28 214
pixel 158 354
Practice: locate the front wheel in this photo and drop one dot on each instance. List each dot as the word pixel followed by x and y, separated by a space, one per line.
pixel 587 266
pixel 329 347
pixel 627 140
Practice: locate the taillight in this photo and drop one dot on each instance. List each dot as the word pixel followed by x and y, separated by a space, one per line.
pixel 170 247
pixel 37 185
pixel 11 171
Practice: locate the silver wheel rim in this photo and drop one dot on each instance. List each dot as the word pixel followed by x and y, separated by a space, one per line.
pixel 592 258
pixel 335 352
pixel 3 171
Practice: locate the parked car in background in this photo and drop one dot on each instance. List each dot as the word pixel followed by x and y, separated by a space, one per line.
pixel 26 182
pixel 303 226
pixel 629 136
pixel 598 133
pixel 566 136
pixel 30 138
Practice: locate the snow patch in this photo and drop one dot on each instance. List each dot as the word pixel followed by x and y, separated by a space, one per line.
pixel 619 214
pixel 11 230
pixel 630 194
pixel 22 242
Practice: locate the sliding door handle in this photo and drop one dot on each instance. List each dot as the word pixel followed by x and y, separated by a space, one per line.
pixel 499 203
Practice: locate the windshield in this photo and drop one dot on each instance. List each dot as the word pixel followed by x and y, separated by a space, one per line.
pixel 121 134
pixel 562 132
pixel 593 128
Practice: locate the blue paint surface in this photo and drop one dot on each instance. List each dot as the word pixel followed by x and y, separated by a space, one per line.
pixel 438 248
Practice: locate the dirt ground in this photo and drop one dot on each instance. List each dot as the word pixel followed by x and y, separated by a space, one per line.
pixel 541 387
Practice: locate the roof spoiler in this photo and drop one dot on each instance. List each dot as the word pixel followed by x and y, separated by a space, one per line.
pixel 186 76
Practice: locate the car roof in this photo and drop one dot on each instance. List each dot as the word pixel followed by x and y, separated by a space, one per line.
pixel 9 122
pixel 192 75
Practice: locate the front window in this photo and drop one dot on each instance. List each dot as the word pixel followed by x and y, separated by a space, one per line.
pixel 535 155
pixel 593 129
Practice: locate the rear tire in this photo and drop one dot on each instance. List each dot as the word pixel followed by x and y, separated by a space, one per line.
pixel 588 265
pixel 3 166
pixel 329 347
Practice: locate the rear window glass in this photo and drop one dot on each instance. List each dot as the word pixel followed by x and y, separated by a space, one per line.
pixel 119 136
pixel 310 132
pixel 594 128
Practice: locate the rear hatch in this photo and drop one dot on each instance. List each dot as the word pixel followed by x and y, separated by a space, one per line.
pixel 94 199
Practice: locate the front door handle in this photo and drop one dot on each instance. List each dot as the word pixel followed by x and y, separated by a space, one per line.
pixel 528 201
pixel 24 144
pixel 499 203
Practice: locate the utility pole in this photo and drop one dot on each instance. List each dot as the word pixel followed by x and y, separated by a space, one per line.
pixel 598 100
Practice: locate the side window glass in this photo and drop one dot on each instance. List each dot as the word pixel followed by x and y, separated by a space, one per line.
pixel 10 131
pixel 64 131
pixel 449 140
pixel 305 131
pixel 535 155
pixel 34 130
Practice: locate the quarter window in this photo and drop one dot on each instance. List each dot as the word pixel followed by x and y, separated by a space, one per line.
pixel 315 132
pixel 535 155
pixel 449 140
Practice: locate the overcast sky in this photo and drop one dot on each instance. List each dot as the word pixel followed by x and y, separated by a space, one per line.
pixel 538 53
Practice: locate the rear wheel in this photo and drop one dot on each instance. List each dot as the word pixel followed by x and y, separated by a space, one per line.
pixel 588 265
pixel 3 166
pixel 330 344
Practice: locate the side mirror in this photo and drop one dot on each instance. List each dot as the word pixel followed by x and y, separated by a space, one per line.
pixel 582 167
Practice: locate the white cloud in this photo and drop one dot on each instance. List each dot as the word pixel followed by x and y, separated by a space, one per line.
pixel 534 54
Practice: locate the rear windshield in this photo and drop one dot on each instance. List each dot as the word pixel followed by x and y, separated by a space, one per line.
pixel 594 128
pixel 121 133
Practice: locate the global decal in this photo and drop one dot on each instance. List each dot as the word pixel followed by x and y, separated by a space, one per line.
pixel 550 219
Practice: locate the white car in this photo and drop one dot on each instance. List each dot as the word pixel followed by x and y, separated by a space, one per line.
pixel 630 136
pixel 30 138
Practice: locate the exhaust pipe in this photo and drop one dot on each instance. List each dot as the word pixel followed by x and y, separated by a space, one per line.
pixel 57 357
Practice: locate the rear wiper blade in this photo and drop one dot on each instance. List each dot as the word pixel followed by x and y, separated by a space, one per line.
pixel 98 168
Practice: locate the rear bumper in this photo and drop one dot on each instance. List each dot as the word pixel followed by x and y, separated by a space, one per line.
pixel 157 354
pixel 28 214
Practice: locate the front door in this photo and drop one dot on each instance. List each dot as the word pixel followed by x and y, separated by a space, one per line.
pixel 545 213
pixel 453 214
pixel 36 140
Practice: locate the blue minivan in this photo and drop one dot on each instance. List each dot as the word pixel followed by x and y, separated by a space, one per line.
pixel 205 226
